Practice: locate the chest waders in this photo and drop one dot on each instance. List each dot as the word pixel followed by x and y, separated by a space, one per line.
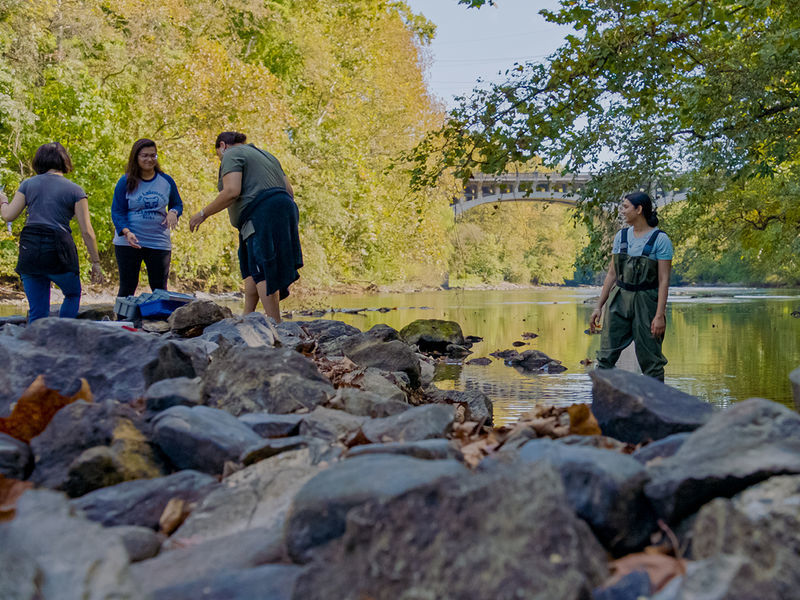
pixel 630 310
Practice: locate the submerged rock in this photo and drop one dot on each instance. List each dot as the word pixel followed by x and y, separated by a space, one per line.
pixel 433 335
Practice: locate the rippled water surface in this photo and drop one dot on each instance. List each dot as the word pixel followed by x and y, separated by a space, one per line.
pixel 723 344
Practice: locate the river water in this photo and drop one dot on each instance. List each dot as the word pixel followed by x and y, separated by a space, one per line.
pixel 723 344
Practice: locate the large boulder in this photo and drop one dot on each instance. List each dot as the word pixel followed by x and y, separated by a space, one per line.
pixel 276 380
pixel 367 404
pixel 635 408
pixel 739 447
pixel 535 361
pixel 486 536
pixel 90 445
pixel 382 384
pixel 762 525
pixel 318 511
pixel 58 555
pixel 66 350
pixel 142 502
pixel 253 329
pixel 340 346
pixel 417 423
pixel 16 459
pixel 433 335
pixel 191 319
pixel 258 496
pixel 201 438
pixel 604 488
pixel 325 330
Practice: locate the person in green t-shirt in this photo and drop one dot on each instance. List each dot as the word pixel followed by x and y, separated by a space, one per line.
pixel 260 202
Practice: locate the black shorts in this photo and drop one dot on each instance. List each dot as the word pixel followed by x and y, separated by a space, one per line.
pixel 252 259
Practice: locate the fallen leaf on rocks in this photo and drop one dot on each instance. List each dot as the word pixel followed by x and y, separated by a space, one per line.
pixel 10 491
pixel 659 567
pixel 175 513
pixel 36 408
pixel 582 421
pixel 460 414
pixel 355 438
pixel 341 371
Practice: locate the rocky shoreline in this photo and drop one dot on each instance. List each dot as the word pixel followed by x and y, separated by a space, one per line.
pixel 226 457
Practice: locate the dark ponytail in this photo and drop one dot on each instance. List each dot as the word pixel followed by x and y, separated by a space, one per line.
pixel 230 138
pixel 649 211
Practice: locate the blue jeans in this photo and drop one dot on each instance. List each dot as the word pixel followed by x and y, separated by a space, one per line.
pixel 37 289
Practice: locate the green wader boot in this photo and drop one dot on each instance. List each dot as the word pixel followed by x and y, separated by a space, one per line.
pixel 630 310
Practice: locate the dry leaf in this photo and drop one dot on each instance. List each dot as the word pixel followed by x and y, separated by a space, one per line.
pixel 175 513
pixel 582 421
pixel 36 408
pixel 10 491
pixel 659 567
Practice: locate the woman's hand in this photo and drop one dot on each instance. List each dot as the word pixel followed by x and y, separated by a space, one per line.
pixel 131 238
pixel 97 273
pixel 658 326
pixel 196 220
pixel 171 220
pixel 594 320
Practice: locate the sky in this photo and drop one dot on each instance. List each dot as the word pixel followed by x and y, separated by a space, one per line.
pixel 478 43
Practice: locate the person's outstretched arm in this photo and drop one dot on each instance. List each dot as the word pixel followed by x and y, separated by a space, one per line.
pixel 231 188
pixel 11 210
pixel 87 233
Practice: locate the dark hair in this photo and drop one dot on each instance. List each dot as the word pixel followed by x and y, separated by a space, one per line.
pixel 52 156
pixel 133 171
pixel 648 210
pixel 230 138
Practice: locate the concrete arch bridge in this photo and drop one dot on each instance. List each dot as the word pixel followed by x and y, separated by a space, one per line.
pixel 533 187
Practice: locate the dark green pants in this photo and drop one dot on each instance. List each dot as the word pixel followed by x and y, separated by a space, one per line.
pixel 627 319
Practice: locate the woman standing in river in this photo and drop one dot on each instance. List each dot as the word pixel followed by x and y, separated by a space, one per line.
pixel 635 289
pixel 260 203
pixel 47 252
pixel 146 206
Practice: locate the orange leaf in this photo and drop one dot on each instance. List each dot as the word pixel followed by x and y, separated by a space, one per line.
pixel 10 491
pixel 36 408
pixel 175 513
pixel 582 421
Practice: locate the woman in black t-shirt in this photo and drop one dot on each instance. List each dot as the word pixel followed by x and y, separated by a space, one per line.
pixel 47 252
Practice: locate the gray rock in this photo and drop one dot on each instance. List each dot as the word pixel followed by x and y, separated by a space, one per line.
pixel 201 438
pixel 663 448
pixel 275 380
pixel 739 447
pixel 482 361
pixel 723 577
pixel 191 319
pixel 387 356
pixel 269 447
pixel 255 497
pixel 70 349
pixel 74 558
pixel 140 543
pixel 340 346
pixel 635 408
pixel 242 550
pixel 329 424
pixel 290 334
pixel 325 330
pixel 535 361
pixel 179 391
pixel 20 575
pixel 605 488
pixel 80 426
pixel 175 359
pixel 483 536
pixel 253 329
pixel 366 404
pixel 432 335
pixel 631 587
pixel 427 370
pixel 424 449
pixel 268 425
pixel 417 423
pixel 762 525
pixel 593 441
pixel 142 502
pixel 381 384
pixel 16 459
pixel 479 406
pixel 318 510
pixel 272 582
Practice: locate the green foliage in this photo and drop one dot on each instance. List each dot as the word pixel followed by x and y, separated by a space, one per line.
pixel 679 93
pixel 334 88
